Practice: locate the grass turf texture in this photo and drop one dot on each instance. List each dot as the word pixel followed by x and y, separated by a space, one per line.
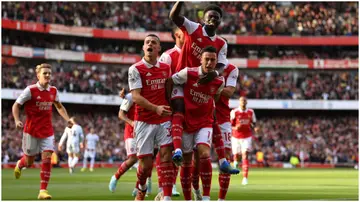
pixel 264 184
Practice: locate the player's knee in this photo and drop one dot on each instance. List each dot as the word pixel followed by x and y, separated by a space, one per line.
pixel 187 157
pixel 46 154
pixel 203 150
pixel 132 159
pixel 245 155
pixel 165 154
pixel 146 162
pixel 29 160
pixel 178 105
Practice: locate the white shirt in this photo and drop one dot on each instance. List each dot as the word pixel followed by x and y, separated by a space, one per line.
pixel 91 141
pixel 73 138
pixel 127 102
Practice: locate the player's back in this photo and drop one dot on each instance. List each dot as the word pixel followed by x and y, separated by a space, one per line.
pixel 242 118
pixel 222 106
pixel 153 89
pixel 199 100
pixel 171 57
pixel 196 39
pixel 91 141
pixel 39 111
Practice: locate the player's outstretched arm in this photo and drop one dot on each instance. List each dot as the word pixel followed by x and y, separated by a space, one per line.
pixel 62 111
pixel 161 110
pixel 175 14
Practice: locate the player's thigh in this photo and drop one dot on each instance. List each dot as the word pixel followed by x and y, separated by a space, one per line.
pixel 246 144
pixel 226 134
pixel 145 138
pixel 188 142
pixel 86 154
pixel 47 144
pixel 204 136
pixel 235 145
pixel 30 145
pixel 177 99
pixel 162 135
pixel 130 146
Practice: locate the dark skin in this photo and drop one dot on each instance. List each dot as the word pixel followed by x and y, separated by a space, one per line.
pixel 212 20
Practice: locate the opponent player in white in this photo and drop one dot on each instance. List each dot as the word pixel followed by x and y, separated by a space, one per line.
pixel 90 149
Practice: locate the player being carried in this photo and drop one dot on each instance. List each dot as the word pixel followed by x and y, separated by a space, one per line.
pixel 90 149
pixel 75 136
pixel 152 116
pixel 197 37
pixel 242 121
pixel 38 133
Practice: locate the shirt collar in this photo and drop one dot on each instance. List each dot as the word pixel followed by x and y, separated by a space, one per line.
pixel 177 48
pixel 41 88
pixel 205 34
pixel 242 110
pixel 148 65
pixel 201 73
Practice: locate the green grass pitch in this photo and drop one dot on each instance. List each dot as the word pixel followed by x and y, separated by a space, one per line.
pixel 264 184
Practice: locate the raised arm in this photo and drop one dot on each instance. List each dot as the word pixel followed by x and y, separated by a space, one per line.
pixel 175 14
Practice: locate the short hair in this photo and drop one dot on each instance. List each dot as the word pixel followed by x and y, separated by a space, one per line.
pixel 208 49
pixel 73 118
pixel 175 28
pixel 42 66
pixel 213 7
pixel 153 35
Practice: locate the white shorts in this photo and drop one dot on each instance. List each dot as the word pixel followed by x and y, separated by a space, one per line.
pixel 32 145
pixel 130 146
pixel 149 136
pixel 90 153
pixel 241 145
pixel 189 141
pixel 73 148
pixel 177 92
pixel 226 134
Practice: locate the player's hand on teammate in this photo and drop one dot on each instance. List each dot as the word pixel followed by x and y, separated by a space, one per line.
pixel 131 123
pixel 122 93
pixel 208 77
pixel 163 110
pixel 19 124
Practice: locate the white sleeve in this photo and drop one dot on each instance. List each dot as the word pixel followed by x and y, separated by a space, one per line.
pixel 81 133
pixel 253 117
pixel 64 136
pixel 97 138
pixel 134 78
pixel 232 78
pixel 24 96
pixel 180 77
pixel 222 54
pixel 221 87
pixel 190 26
pixel 165 58
pixel 57 95
pixel 126 103
pixel 232 115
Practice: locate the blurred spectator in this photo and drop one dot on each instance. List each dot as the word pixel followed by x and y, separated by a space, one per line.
pixel 245 18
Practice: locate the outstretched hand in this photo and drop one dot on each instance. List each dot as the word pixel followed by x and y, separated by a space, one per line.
pixel 208 77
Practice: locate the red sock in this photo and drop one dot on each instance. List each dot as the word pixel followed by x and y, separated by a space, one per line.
pixel 224 181
pixel 245 167
pixel 121 170
pixel 205 175
pixel 177 129
pixel 185 177
pixel 218 141
pixel 176 171
pixel 45 173
pixel 158 169
pixel 167 177
pixel 22 163
pixel 195 176
pixel 142 175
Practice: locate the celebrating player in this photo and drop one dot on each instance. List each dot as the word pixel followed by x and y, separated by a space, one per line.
pixel 74 135
pixel 90 149
pixel 199 100
pixel 152 116
pixel 38 133
pixel 242 121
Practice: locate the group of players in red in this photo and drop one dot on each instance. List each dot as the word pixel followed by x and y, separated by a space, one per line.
pixel 196 79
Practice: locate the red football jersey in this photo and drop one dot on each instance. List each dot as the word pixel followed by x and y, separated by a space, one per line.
pixel 171 57
pixel 128 106
pixel 222 105
pixel 196 39
pixel 38 109
pixel 198 99
pixel 244 119
pixel 151 79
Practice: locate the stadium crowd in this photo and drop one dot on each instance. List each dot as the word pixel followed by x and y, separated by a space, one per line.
pixel 320 139
pixel 96 45
pixel 244 18
pixel 255 84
